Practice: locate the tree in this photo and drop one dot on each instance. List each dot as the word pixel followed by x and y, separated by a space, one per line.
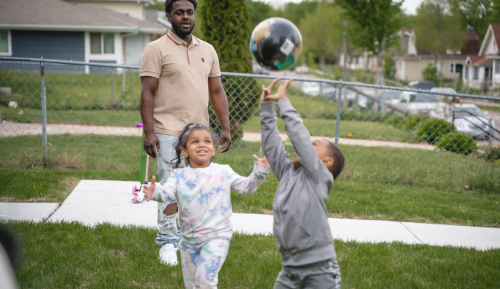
pixel 322 31
pixel 258 11
pixel 297 11
pixel 225 25
pixel 437 30
pixel 477 13
pixel 376 23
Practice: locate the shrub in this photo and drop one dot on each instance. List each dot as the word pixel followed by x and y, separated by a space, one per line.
pixel 225 25
pixel 457 142
pixel 431 130
pixel 396 121
pixel 491 154
pixel 412 121
pixel 430 73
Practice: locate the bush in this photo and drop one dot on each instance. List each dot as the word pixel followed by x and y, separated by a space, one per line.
pixel 430 73
pixel 431 130
pixel 395 121
pixel 243 97
pixel 412 121
pixel 225 25
pixel 457 142
pixel 491 154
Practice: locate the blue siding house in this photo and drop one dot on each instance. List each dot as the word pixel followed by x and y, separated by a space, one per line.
pixel 57 29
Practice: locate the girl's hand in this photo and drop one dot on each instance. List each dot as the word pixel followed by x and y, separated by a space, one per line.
pixel 266 91
pixel 281 91
pixel 262 160
pixel 149 189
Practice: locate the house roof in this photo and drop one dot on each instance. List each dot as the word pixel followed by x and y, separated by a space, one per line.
pixel 135 1
pixel 478 60
pixel 471 47
pixel 492 32
pixel 409 30
pixel 59 15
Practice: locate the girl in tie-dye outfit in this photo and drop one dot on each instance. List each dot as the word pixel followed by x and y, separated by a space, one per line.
pixel 202 190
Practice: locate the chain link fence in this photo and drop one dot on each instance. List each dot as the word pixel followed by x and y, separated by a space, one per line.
pixel 62 114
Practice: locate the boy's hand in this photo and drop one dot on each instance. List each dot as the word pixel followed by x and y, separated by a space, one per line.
pixel 281 91
pixel 266 91
pixel 262 160
pixel 149 189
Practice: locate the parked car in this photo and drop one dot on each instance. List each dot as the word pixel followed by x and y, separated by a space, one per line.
pixel 319 89
pixel 389 96
pixel 257 69
pixel 470 120
pixel 455 98
pixel 362 101
pixel 349 96
pixel 418 103
pixel 302 69
pixel 424 85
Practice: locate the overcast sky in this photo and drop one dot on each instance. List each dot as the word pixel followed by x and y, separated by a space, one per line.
pixel 410 6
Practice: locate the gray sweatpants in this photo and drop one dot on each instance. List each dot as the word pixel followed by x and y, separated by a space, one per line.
pixel 322 275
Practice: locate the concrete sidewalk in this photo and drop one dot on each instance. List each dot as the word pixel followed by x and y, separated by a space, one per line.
pixel 12 129
pixel 93 202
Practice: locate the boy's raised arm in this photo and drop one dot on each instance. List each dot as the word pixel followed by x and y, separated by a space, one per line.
pixel 298 133
pixel 271 141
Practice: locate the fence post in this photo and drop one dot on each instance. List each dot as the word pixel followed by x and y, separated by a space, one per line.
pixel 490 136
pixel 339 107
pixel 123 87
pixel 44 114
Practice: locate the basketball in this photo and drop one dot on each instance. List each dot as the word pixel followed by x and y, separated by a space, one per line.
pixel 276 44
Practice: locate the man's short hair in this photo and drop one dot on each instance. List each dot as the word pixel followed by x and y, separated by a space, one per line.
pixel 169 3
pixel 338 160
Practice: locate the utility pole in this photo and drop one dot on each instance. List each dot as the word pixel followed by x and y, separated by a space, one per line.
pixel 344 76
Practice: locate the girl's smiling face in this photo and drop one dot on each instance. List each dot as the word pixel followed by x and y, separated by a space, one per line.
pixel 200 148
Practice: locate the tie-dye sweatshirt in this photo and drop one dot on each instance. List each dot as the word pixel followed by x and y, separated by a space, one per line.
pixel 203 198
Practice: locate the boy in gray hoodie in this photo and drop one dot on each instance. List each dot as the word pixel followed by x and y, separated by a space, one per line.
pixel 299 208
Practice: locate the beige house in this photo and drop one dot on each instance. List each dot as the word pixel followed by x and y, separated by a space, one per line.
pixel 132 43
pixel 409 66
pixel 482 70
pixel 132 8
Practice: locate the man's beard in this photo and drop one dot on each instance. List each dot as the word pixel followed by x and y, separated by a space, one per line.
pixel 179 32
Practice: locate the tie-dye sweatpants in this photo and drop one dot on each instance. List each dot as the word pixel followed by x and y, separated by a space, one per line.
pixel 201 263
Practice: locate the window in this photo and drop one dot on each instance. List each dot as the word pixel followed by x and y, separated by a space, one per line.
pixel 5 45
pixel 102 43
pixel 497 66
pixel 476 73
pixel 466 72
pixel 456 67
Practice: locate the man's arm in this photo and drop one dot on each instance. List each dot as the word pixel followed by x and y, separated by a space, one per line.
pixel 219 102
pixel 148 91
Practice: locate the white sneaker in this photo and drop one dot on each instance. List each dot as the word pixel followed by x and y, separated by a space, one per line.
pixel 168 255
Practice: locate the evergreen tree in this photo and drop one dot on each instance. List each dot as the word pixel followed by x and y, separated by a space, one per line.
pixel 225 25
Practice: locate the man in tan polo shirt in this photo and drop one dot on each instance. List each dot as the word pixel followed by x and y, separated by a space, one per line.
pixel 178 74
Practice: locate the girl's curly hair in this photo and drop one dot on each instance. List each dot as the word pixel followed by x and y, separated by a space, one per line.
pixel 179 160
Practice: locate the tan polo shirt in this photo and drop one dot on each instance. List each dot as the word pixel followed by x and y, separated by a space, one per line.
pixel 182 72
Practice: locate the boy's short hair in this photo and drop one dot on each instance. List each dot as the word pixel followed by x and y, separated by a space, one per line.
pixel 338 160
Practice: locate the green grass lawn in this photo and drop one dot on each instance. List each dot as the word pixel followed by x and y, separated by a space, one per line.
pixel 414 167
pixel 70 255
pixel 348 199
pixel 489 108
pixel 102 117
pixel 358 129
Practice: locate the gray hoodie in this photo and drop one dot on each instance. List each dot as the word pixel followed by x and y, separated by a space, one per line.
pixel 299 208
